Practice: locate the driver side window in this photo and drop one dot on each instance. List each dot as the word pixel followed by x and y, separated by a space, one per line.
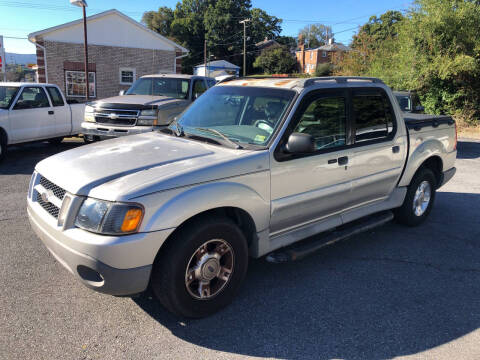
pixel 198 88
pixel 32 98
pixel 325 119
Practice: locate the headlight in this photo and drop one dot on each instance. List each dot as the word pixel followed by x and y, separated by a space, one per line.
pixel 146 122
pixel 148 117
pixel 89 113
pixel 152 112
pixel 105 217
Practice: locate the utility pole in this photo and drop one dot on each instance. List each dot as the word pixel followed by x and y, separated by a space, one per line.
pixel 244 22
pixel 83 5
pixel 205 58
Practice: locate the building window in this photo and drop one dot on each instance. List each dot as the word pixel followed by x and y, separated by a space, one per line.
pixel 324 54
pixel 75 84
pixel 311 55
pixel 127 76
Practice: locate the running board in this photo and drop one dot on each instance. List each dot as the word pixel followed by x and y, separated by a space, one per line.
pixel 304 248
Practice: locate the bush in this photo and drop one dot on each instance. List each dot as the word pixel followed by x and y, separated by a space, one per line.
pixel 275 60
pixel 324 69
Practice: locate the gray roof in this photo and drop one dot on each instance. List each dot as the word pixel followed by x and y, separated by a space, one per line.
pixel 220 63
pixel 333 47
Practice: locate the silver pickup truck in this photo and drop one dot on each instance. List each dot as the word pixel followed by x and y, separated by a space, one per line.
pixel 252 168
pixel 152 101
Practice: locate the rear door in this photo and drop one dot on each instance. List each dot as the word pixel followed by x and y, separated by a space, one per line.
pixel 32 116
pixel 63 124
pixel 379 149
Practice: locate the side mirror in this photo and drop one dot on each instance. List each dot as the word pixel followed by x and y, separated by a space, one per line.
pixel 419 108
pixel 299 143
pixel 121 93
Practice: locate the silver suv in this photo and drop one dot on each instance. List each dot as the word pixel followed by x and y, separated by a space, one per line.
pixel 253 167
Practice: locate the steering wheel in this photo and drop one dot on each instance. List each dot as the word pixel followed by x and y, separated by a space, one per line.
pixel 269 125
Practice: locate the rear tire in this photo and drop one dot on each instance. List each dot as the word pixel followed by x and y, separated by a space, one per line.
pixel 88 139
pixel 56 141
pixel 419 199
pixel 201 268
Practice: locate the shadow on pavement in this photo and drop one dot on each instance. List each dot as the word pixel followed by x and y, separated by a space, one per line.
pixel 22 159
pixel 468 149
pixel 386 293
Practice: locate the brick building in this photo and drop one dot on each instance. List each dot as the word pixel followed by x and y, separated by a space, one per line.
pixel 309 59
pixel 120 50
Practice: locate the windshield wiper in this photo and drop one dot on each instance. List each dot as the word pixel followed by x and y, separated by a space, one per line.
pixel 224 137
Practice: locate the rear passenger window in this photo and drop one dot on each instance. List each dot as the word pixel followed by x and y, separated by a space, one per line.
pixel 373 117
pixel 55 96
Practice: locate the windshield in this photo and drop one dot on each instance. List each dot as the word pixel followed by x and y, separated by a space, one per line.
pixel 7 94
pixel 171 87
pixel 242 114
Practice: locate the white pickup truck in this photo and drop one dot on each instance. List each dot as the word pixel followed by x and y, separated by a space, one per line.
pixel 31 112
pixel 251 168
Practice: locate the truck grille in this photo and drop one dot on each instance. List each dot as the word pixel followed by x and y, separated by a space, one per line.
pixel 58 192
pixel 116 117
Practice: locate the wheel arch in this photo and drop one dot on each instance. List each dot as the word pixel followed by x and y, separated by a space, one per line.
pixel 238 216
pixel 429 154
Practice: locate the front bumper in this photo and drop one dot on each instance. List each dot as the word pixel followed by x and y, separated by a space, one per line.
pixel 91 258
pixel 95 129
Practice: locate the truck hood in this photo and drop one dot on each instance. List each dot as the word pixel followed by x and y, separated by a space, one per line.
pixel 142 100
pixel 128 167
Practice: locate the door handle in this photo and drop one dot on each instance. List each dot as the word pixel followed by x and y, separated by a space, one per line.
pixel 332 161
pixel 396 149
pixel 51 112
pixel 343 160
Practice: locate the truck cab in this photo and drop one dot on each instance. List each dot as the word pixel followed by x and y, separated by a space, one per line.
pixel 152 101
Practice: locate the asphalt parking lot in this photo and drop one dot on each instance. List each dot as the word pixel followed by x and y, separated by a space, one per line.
pixel 391 292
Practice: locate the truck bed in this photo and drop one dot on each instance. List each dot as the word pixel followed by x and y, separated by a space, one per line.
pixel 419 121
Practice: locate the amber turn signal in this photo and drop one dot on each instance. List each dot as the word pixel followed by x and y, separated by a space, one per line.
pixel 132 220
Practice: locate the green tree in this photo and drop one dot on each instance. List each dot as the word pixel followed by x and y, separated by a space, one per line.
pixel 289 41
pixel 315 35
pixel 216 21
pixel 380 28
pixel 435 50
pixel 159 21
pixel 275 60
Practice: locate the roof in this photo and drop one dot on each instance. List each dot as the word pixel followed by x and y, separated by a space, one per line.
pixel 173 76
pixel 266 43
pixel 300 83
pixel 24 84
pixel 330 47
pixel 334 47
pixel 32 37
pixel 220 63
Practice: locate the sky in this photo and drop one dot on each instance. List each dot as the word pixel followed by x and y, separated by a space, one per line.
pixel 18 18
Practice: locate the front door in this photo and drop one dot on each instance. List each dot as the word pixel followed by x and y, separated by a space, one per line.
pixel 307 188
pixel 31 117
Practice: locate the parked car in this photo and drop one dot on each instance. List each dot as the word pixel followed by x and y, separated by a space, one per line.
pixel 251 168
pixel 409 101
pixel 31 111
pixel 152 101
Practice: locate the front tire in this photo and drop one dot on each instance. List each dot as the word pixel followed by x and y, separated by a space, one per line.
pixel 56 141
pixel 3 147
pixel 201 268
pixel 419 199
